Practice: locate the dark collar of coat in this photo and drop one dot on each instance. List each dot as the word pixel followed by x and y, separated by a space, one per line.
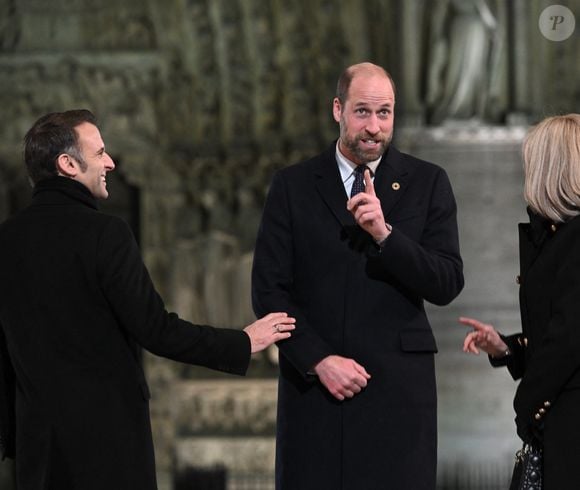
pixel 390 182
pixel 62 190
pixel 540 228
pixel 533 236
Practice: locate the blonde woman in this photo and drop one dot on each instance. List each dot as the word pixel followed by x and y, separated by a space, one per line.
pixel 546 355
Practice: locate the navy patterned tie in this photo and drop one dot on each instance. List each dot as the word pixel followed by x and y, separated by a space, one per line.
pixel 359 180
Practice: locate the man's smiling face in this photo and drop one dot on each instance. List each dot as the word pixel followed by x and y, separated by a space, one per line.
pixel 366 118
pixel 96 162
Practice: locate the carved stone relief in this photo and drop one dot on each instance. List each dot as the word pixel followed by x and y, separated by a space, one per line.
pixel 73 25
pixel 466 60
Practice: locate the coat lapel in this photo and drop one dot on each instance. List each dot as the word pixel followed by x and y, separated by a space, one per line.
pixel 527 249
pixel 391 180
pixel 533 236
pixel 330 187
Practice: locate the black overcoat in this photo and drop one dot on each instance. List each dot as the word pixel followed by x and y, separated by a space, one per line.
pixel 75 303
pixel 353 299
pixel 546 355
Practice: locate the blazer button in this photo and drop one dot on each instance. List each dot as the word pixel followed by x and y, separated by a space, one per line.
pixel 553 227
pixel 537 416
pixel 523 341
pixel 541 411
pixel 547 404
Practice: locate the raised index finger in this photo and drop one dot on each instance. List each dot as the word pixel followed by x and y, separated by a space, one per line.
pixel 472 322
pixel 369 186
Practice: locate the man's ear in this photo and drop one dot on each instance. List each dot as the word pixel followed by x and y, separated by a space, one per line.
pixel 66 166
pixel 336 109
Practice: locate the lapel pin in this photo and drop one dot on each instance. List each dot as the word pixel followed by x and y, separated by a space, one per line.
pixel 396 186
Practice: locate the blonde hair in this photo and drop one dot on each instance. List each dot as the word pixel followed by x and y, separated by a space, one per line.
pixel 551 151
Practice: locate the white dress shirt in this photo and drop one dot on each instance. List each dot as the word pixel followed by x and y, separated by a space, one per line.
pixel 347 169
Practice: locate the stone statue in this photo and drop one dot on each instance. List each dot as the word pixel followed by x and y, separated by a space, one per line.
pixel 463 61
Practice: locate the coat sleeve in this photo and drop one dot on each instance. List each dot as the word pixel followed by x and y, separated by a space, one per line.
pixel 7 401
pixel 272 280
pixel 431 267
pixel 139 309
pixel 556 358
pixel 516 361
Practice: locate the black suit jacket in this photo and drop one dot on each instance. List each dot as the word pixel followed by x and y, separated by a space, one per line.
pixel 75 302
pixel 353 299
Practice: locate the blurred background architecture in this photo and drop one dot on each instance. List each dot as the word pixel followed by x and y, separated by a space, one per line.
pixel 200 101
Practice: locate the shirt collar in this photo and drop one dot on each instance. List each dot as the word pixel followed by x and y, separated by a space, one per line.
pixel 346 167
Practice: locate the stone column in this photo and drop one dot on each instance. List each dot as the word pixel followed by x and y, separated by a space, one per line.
pixel 412 64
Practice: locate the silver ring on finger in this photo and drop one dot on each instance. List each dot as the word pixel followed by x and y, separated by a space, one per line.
pixel 277 327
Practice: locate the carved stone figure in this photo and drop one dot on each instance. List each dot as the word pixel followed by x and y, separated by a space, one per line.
pixel 466 40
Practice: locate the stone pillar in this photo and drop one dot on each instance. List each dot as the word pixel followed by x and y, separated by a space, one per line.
pixel 475 401
pixel 412 64
pixel 519 60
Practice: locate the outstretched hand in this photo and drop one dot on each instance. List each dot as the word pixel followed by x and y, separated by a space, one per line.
pixel 484 337
pixel 366 209
pixel 269 329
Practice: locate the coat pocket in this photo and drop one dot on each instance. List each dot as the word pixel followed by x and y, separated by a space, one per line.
pixel 417 340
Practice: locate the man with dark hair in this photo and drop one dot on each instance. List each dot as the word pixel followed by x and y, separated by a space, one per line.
pixel 76 302
pixel 50 136
pixel 357 396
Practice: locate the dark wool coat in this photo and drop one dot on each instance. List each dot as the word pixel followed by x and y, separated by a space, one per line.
pixel 546 355
pixel 75 302
pixel 353 299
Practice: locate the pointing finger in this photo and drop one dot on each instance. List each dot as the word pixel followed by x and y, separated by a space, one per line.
pixel 471 322
pixel 369 186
